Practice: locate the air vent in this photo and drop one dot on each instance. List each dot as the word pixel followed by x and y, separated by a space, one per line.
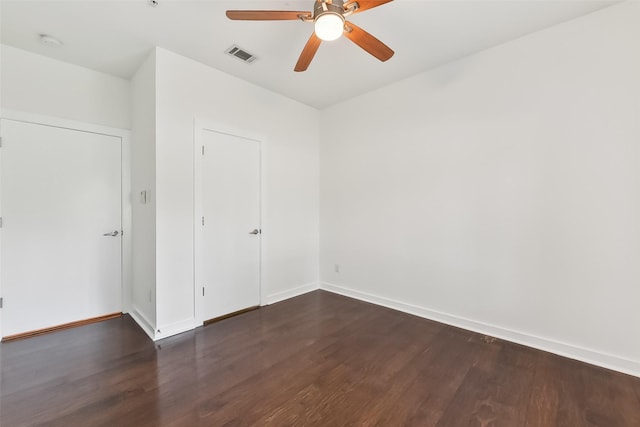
pixel 241 54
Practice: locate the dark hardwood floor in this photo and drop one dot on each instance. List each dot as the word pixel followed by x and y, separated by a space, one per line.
pixel 316 360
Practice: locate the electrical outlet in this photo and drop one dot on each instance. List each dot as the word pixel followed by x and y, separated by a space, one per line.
pixel 337 268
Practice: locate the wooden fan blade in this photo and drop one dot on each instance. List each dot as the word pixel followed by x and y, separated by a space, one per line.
pixel 308 52
pixel 366 41
pixel 266 15
pixel 365 4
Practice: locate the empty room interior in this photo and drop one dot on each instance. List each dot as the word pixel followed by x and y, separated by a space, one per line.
pixel 320 213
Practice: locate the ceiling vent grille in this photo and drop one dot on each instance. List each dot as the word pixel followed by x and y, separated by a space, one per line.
pixel 240 54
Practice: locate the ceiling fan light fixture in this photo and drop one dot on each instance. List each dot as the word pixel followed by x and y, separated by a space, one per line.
pixel 329 26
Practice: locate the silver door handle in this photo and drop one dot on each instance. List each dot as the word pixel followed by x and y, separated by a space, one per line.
pixel 255 231
pixel 114 233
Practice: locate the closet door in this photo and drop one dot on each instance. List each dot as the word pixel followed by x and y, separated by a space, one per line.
pixel 61 235
pixel 231 223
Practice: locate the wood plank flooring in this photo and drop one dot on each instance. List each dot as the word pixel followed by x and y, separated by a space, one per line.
pixel 315 360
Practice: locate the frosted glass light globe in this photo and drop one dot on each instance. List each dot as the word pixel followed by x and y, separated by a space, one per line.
pixel 329 26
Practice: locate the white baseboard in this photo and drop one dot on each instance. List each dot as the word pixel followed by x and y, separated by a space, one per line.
pixel 189 324
pixel 142 321
pixel 609 361
pixel 165 331
pixel 289 293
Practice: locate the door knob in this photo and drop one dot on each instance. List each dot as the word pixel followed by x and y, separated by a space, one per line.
pixel 255 231
pixel 114 233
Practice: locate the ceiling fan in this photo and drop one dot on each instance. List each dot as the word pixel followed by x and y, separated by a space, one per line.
pixel 328 17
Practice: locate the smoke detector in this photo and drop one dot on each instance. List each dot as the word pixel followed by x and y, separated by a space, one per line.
pixel 51 41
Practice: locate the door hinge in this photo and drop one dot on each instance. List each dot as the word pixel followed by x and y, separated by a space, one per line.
pixel 203 291
pixel 0 222
pixel 203 220
pixel 1 301
pixel 0 141
pixel 203 150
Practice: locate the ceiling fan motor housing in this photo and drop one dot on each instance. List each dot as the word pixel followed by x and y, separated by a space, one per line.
pixel 335 6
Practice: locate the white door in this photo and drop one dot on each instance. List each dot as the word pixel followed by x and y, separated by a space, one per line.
pixel 60 193
pixel 231 228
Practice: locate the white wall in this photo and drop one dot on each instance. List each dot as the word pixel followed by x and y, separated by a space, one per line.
pixel 500 192
pixel 143 178
pixel 41 85
pixel 187 90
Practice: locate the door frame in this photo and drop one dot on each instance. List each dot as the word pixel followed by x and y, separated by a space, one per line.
pixel 125 185
pixel 198 127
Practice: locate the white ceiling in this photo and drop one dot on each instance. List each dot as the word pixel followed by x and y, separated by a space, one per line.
pixel 115 36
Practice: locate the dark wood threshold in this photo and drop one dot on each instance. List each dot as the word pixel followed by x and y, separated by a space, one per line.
pixel 69 325
pixel 226 316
